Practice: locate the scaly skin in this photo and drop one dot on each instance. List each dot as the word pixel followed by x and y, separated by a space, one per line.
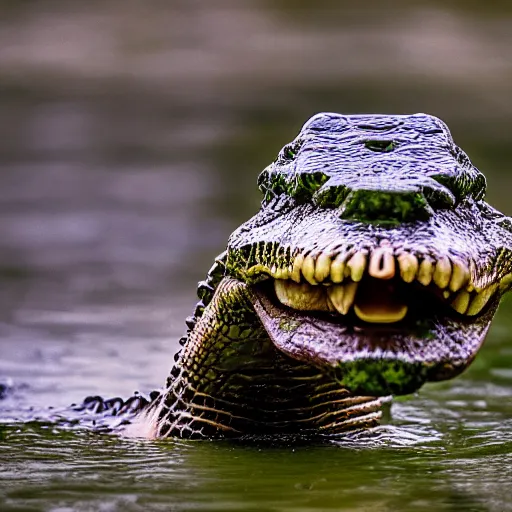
pixel 231 381
pixel 373 266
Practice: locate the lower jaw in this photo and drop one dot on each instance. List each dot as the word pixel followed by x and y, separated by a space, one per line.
pixel 373 359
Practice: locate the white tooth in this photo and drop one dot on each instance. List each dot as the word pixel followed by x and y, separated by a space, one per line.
pixel 349 295
pixel 308 269
pixel 425 271
pixel 338 268
pixel 322 267
pixel 443 272
pixel 282 273
pixel 273 271
pixel 282 290
pixel 335 294
pixel 382 263
pixel 408 266
pixel 480 300
pixel 461 302
pixel 297 266
pixel 381 313
pixel 302 297
pixel 357 265
pixel 460 275
pixel 342 296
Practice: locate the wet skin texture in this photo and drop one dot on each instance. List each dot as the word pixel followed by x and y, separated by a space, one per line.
pixel 373 266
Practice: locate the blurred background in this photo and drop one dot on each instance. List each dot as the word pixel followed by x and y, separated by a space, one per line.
pixel 132 134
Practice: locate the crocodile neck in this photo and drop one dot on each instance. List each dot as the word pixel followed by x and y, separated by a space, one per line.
pixel 230 381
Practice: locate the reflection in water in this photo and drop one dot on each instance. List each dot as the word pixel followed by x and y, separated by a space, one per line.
pixel 130 144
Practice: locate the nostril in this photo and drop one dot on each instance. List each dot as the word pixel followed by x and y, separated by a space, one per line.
pixel 384 201
pixel 380 146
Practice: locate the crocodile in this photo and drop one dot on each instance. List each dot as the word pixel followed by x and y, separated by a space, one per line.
pixel 373 266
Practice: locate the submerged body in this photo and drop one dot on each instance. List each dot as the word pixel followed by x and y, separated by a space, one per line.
pixel 373 266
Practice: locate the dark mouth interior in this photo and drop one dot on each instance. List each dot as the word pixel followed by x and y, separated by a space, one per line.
pixel 423 303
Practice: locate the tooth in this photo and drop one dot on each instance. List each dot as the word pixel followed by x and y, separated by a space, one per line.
pixel 460 275
pixel 302 297
pixel 382 263
pixel 297 266
pixel 425 271
pixel 461 302
pixel 443 272
pixel 282 273
pixel 338 268
pixel 322 267
pixel 273 271
pixel 335 294
pixel 480 300
pixel 446 294
pixel 282 289
pixel 357 265
pixel 408 266
pixel 342 296
pixel 381 313
pixel 348 297
pixel 308 270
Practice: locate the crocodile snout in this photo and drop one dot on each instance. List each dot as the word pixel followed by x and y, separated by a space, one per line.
pixel 385 206
pixel 390 202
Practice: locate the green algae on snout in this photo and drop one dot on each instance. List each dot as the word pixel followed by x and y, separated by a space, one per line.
pixel 381 377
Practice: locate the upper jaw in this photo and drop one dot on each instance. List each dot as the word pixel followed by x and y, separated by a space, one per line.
pixel 372 349
pixel 314 246
pixel 345 275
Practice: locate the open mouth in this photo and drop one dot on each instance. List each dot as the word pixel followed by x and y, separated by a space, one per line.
pixel 381 322
pixel 380 289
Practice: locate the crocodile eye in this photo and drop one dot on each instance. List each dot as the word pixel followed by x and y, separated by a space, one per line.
pixel 289 152
pixel 380 146
pixel 466 181
pixel 471 181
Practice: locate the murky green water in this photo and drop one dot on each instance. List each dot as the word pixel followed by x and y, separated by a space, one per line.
pixel 130 142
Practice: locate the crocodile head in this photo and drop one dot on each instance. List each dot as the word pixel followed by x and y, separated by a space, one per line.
pixel 374 255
